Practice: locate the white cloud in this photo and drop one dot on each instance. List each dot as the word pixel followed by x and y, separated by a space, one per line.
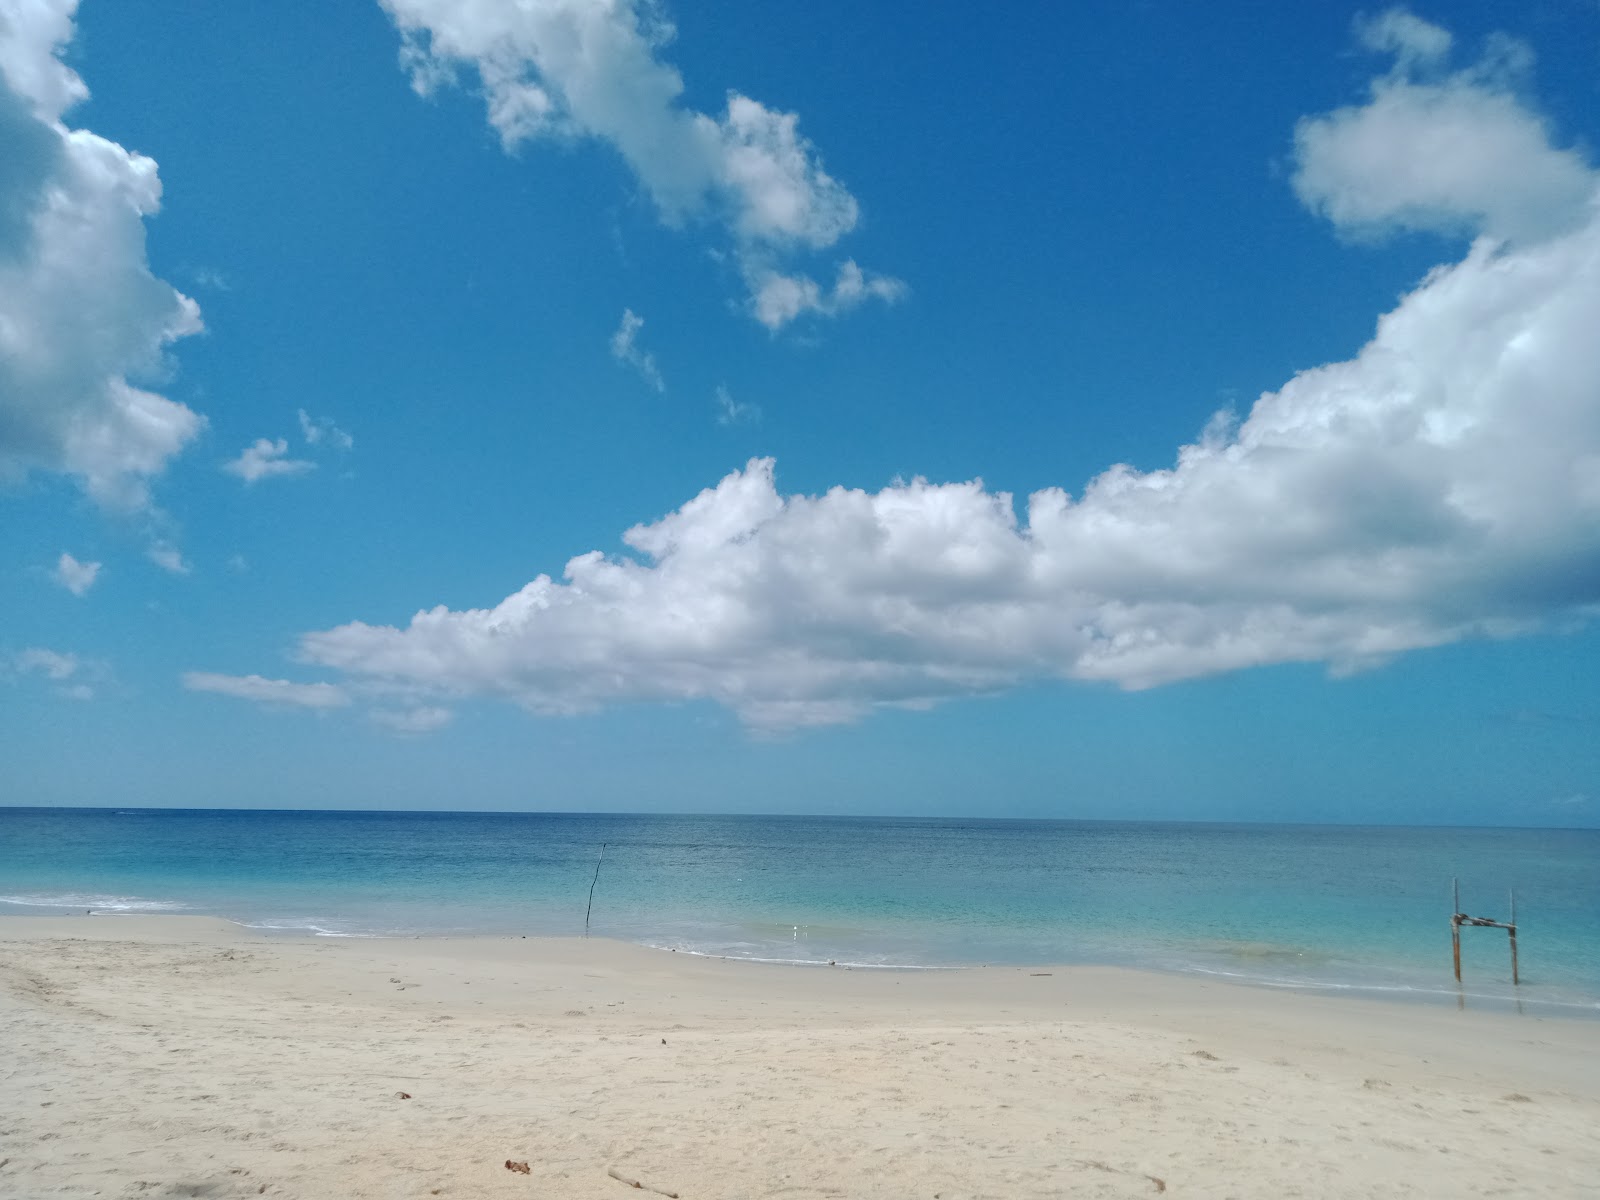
pixel 1443 484
pixel 75 678
pixel 318 431
pixel 732 412
pixel 81 316
pixel 1456 154
pixel 625 349
pixel 272 692
pixel 168 557
pixel 413 721
pixel 77 577
pixel 266 459
pixel 210 277
pixel 780 191
pixel 1413 41
pixel 48 663
pixel 592 68
pixel 779 299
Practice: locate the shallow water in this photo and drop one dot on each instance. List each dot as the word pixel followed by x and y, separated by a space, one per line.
pixel 1362 908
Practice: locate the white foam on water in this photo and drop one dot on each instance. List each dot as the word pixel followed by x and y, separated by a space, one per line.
pixel 94 901
pixel 794 962
pixel 304 926
pixel 1400 989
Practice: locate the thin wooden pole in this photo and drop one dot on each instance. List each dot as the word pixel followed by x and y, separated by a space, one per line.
pixel 1515 981
pixel 1455 925
pixel 596 880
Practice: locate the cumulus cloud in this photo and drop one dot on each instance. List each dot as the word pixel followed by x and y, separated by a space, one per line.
pixel 81 316
pixel 593 69
pixel 779 298
pixel 1455 153
pixel 1442 484
pixel 280 693
pixel 74 678
pixel 266 459
pixel 319 431
pixel 77 577
pixel 625 349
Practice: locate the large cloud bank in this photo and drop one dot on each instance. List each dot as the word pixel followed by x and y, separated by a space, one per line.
pixel 80 313
pixel 1442 484
pixel 592 68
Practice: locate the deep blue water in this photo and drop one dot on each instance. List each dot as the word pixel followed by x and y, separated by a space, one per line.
pixel 1322 906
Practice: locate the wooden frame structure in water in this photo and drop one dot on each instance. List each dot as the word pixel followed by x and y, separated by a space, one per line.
pixel 1459 918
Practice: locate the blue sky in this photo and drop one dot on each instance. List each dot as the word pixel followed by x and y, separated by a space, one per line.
pixel 899 340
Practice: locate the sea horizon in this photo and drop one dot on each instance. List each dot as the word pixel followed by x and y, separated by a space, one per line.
pixel 781 816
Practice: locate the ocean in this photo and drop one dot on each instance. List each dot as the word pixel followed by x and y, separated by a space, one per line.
pixel 1330 908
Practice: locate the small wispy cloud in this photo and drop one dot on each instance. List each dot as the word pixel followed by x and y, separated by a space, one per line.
pixel 77 577
pixel 281 693
pixel 732 412
pixel 412 721
pixel 73 677
pixel 319 431
pixel 267 459
pixel 625 349
pixel 209 278
pixel 168 557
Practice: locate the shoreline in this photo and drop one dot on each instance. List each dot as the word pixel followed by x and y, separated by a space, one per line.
pixel 147 1055
pixel 1504 1001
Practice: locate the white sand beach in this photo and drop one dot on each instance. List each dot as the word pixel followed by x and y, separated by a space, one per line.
pixel 173 1056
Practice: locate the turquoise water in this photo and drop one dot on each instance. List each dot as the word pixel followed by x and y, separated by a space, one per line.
pixel 1325 907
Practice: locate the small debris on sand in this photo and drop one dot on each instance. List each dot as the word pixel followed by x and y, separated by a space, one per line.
pixel 634 1183
pixel 521 1168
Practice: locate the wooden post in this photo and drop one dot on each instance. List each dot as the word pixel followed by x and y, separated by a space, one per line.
pixel 1455 925
pixel 1515 981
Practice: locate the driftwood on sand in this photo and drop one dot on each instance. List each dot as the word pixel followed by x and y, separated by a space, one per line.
pixel 634 1183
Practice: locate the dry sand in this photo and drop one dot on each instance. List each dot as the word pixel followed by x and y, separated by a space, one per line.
pixel 160 1057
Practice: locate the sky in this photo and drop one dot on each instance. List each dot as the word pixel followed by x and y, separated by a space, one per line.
pixel 1109 410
